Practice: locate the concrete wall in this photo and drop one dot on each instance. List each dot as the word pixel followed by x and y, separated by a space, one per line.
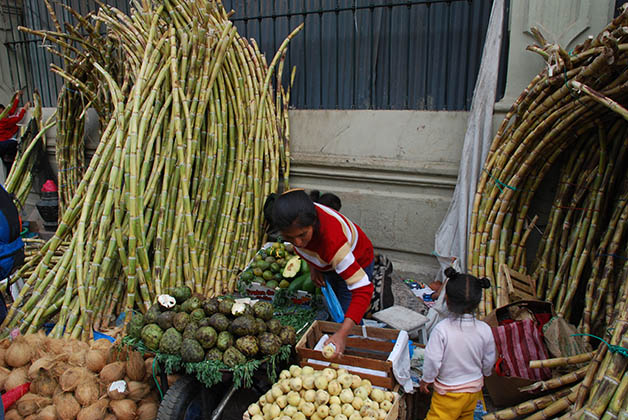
pixel 395 172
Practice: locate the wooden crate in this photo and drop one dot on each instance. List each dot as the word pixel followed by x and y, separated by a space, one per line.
pixel 365 352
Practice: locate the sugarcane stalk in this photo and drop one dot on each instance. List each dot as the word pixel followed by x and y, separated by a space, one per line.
pixel 528 407
pixel 555 408
pixel 556 382
pixel 561 361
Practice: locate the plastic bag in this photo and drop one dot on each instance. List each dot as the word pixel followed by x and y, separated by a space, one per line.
pixel 333 305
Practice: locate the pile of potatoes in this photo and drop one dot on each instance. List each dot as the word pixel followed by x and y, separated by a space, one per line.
pixel 328 394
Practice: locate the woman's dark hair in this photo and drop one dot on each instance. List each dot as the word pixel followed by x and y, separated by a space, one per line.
pixel 328 199
pixel 268 214
pixel 295 206
pixel 464 291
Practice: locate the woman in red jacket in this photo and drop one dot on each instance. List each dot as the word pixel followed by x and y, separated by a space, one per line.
pixel 336 249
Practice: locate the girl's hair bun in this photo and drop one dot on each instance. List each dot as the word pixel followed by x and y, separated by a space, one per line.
pixel 450 272
pixel 485 283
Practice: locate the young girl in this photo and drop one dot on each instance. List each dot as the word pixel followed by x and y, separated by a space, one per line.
pixel 460 351
pixel 335 248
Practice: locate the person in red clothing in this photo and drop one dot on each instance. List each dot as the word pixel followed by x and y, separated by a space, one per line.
pixel 335 248
pixel 9 128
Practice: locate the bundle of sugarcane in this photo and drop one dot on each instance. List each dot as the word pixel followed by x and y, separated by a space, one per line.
pixel 79 46
pixel 32 254
pixel 604 392
pixel 173 194
pixel 571 116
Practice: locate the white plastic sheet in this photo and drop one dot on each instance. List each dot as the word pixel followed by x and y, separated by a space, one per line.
pixel 452 235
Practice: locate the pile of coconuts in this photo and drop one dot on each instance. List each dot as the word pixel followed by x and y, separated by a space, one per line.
pixel 72 379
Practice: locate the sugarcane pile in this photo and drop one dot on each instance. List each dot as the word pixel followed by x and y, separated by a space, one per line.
pixel 71 379
pixel 569 117
pixel 568 124
pixel 194 137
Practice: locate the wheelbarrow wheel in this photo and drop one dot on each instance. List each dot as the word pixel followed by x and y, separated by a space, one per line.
pixel 187 399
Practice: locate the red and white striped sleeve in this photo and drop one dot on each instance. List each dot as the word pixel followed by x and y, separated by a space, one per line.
pixel 345 264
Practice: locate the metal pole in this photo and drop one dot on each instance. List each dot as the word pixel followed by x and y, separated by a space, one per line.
pixel 223 403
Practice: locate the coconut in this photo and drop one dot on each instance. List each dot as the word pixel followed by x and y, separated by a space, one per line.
pixel 37 343
pixel 124 409
pixel 4 374
pixel 148 368
pixel 95 360
pixel 147 410
pixel 95 411
pixel 101 345
pixel 12 415
pixel 118 390
pixel 78 345
pixel 19 353
pixel 16 378
pixel 172 379
pixel 66 405
pixel 78 350
pixel 112 372
pixel 72 377
pixel 138 390
pixel 59 369
pixel 56 345
pixel 117 353
pixel 3 363
pixel 152 396
pixel 48 413
pixel 135 368
pixel 87 392
pixel 42 364
pixel 77 358
pixel 30 403
pixel 44 385
pixel 36 340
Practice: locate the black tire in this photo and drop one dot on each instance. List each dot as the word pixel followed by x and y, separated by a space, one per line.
pixel 184 395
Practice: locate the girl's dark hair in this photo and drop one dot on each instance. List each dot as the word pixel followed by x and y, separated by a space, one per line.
pixel 327 199
pixel 281 211
pixel 464 291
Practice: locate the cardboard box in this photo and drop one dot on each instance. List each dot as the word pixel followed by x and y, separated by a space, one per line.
pixel 369 352
pixel 504 390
